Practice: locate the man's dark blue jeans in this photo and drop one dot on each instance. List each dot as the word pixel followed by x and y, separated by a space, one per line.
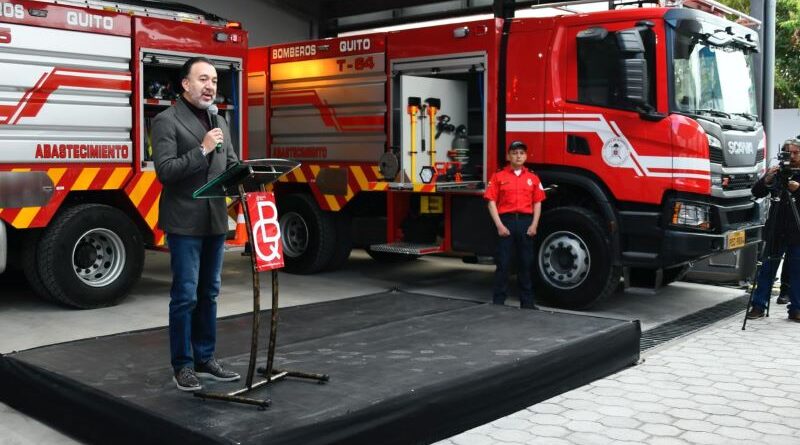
pixel 766 277
pixel 196 263
pixel 522 244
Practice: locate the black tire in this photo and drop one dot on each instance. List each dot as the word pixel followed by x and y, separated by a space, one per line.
pixel 308 234
pixel 90 256
pixel 573 259
pixel 390 258
pixel 30 266
pixel 342 223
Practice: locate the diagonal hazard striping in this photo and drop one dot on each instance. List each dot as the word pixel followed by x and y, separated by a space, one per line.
pixel 692 322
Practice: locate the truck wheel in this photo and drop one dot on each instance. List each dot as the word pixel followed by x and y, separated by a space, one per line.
pixel 90 256
pixel 308 234
pixel 573 260
pixel 30 266
pixel 342 222
pixel 389 257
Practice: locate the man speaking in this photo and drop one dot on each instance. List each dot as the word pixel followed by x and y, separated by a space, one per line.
pixel 191 146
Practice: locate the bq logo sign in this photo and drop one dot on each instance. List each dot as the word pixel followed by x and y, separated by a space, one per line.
pixel 266 236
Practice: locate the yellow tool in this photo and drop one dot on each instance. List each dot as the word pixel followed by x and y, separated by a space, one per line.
pixel 413 108
pixel 434 105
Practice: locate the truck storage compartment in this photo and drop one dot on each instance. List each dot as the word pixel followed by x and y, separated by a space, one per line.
pixel 439 120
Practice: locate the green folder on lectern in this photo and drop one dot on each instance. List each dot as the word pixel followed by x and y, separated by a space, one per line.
pixel 250 173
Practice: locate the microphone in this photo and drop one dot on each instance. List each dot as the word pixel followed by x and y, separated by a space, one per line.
pixel 215 123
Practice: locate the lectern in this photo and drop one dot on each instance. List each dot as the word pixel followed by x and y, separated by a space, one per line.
pixel 237 181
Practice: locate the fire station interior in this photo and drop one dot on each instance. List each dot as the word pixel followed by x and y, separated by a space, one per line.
pixel 372 333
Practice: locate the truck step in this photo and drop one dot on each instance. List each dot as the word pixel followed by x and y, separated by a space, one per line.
pixel 407 248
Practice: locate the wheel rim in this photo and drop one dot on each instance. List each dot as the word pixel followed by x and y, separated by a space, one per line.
pixel 294 234
pixel 564 260
pixel 98 257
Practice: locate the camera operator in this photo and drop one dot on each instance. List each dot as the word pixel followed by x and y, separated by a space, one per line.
pixel 781 232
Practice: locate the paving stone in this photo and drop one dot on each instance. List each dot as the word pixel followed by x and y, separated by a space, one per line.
pixel 666 441
pixel 724 420
pixel 589 439
pixel 514 436
pixel 628 434
pixel 619 422
pixel 724 410
pixel 610 392
pixel 645 407
pixel 643 396
pixel 685 413
pixel 583 426
pixel 703 438
pixel 779 402
pixel 579 404
pixel 708 399
pixel 695 425
pixel 661 429
pixel 738 433
pixel 552 441
pixel 655 418
pixel 549 431
pixel 773 428
pixel 614 401
pixel 678 403
pixel 757 416
pixel 702 390
pixel 548 419
pixel 470 438
pixel 768 392
pixel 512 423
pixel 582 414
pixel 547 408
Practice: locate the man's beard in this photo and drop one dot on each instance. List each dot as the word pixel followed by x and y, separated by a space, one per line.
pixel 200 103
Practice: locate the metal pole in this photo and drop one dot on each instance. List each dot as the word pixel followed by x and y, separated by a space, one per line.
pixel 273 325
pixel 764 10
pixel 256 291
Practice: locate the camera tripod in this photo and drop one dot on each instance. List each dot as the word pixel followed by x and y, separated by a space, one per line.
pixel 769 255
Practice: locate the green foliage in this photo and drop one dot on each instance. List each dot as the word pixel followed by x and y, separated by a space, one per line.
pixel 787 49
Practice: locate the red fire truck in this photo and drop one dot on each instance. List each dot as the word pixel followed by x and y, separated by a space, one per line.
pixel 79 83
pixel 641 122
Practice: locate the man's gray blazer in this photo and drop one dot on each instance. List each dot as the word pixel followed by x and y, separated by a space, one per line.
pixel 182 169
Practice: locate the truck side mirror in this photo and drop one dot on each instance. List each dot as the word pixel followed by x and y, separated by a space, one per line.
pixel 633 67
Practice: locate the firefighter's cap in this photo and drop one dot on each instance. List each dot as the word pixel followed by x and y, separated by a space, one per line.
pixel 517 145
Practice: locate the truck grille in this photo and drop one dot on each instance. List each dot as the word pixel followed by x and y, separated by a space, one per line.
pixel 715 155
pixel 739 182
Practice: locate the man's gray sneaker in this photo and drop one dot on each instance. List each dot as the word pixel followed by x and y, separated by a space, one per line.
pixel 186 380
pixel 213 369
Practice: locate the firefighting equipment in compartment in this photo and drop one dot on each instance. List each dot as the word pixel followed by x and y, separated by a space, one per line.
pixel 460 146
pixel 443 125
pixel 434 105
pixel 414 104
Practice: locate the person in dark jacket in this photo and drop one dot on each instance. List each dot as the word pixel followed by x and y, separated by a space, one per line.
pixel 782 232
pixel 190 147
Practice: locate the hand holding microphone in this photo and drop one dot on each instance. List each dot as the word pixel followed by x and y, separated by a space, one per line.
pixel 215 123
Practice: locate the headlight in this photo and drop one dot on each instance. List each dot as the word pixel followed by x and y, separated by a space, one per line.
pixel 690 215
pixel 713 141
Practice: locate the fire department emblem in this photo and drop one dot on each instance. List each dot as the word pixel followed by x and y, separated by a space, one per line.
pixel 616 151
pixel 530 182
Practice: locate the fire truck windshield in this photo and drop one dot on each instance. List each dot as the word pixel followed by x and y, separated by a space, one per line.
pixel 712 76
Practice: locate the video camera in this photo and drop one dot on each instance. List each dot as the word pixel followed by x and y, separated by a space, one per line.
pixel 787 172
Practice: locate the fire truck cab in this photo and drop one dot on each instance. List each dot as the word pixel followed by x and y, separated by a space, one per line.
pixel 80 82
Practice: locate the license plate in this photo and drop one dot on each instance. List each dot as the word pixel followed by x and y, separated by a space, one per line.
pixel 735 239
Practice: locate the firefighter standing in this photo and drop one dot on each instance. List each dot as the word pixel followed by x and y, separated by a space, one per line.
pixel 515 197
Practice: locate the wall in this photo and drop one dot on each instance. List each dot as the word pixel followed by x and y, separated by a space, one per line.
pixel 266 24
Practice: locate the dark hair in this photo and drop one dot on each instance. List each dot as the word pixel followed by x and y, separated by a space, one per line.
pixel 517 145
pixel 187 67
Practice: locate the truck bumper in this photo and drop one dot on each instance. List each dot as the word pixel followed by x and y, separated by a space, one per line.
pixel 680 247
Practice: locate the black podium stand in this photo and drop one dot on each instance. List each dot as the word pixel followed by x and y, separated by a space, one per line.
pixel 237 181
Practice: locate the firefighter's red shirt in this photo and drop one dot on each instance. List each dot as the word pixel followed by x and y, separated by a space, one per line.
pixel 514 194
